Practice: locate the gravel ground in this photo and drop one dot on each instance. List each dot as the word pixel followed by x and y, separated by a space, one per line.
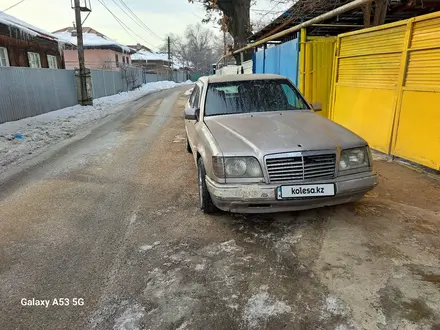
pixel 112 218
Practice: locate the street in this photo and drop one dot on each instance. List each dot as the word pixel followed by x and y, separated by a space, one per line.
pixel 109 226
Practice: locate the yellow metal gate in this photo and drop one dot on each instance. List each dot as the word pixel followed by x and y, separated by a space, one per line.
pixel 386 86
pixel 316 65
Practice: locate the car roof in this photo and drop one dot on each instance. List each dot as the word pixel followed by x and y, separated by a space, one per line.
pixel 239 77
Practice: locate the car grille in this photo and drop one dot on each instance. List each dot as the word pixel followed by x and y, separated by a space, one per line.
pixel 301 168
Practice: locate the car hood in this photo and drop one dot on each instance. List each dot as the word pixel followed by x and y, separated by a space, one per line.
pixel 274 132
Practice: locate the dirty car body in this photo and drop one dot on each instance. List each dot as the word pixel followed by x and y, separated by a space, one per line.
pixel 260 147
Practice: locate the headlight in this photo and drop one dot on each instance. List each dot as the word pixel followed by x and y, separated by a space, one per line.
pixel 236 167
pixel 356 158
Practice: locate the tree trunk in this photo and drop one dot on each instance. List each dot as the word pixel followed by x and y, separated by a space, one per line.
pixel 380 13
pixel 238 19
pixel 367 15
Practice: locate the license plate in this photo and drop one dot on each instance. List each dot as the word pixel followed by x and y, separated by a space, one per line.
pixel 309 190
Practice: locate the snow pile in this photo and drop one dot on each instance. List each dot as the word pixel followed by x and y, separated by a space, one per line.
pixel 24 137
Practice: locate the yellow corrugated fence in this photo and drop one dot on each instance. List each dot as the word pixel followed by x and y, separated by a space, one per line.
pixel 386 87
pixel 316 65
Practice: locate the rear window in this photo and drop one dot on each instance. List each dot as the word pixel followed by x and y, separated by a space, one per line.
pixel 252 96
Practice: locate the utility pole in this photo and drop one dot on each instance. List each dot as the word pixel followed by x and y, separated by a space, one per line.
pixel 169 58
pixel 84 100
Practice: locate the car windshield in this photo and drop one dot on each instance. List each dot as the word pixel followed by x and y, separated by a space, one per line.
pixel 252 96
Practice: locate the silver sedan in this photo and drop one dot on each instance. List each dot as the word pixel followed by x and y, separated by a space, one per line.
pixel 260 147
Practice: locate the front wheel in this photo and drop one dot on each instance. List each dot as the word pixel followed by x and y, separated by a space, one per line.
pixel 206 204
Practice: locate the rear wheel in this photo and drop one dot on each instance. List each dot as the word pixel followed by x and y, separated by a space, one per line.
pixel 205 201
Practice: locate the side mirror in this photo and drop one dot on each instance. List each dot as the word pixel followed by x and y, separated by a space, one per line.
pixel 316 106
pixel 192 113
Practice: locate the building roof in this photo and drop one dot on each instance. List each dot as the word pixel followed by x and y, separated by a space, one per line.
pixel 302 11
pixel 240 77
pixel 92 39
pixel 144 55
pixel 139 47
pixel 25 28
pixel 149 56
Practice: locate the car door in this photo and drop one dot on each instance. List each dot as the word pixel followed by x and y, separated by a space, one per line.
pixel 194 102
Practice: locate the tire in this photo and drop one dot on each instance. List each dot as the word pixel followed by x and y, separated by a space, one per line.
pixel 188 147
pixel 205 201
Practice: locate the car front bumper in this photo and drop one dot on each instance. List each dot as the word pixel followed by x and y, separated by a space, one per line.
pixel 260 198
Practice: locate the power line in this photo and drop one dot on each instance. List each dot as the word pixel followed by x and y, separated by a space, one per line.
pixel 261 18
pixel 196 15
pixel 139 20
pixel 85 19
pixel 133 19
pixel 14 5
pixel 122 24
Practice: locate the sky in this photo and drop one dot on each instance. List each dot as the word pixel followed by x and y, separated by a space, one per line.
pixel 160 16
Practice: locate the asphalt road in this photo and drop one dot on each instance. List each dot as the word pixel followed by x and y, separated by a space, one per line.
pixel 110 222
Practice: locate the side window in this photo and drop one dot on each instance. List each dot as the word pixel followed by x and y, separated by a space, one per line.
pixel 197 98
pixel 292 97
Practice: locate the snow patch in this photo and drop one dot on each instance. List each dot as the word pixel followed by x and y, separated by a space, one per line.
pixel 335 306
pixel 200 267
pixel 130 319
pixel 228 247
pixel 183 326
pixel 261 306
pixel 176 298
pixel 48 128
pixel 149 247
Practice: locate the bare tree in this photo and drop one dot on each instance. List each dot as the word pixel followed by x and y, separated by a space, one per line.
pixel 196 49
pixel 106 65
pixel 301 7
pixel 130 75
pixel 235 16
pixel 199 47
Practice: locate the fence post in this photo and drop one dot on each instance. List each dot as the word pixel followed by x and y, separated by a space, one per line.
pixel 397 104
pixel 105 84
pixel 264 58
pixel 302 60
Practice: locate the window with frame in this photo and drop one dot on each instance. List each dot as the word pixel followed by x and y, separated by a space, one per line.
pixel 4 59
pixel 52 62
pixel 248 96
pixel 123 59
pixel 117 60
pixel 34 60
